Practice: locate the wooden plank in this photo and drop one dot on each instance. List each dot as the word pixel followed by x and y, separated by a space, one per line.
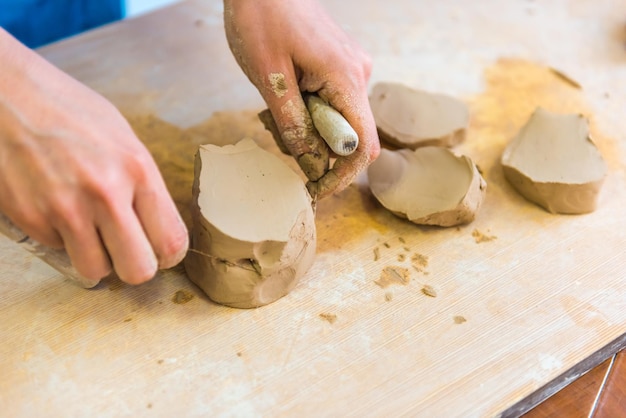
pixel 612 399
pixel 577 399
pixel 544 295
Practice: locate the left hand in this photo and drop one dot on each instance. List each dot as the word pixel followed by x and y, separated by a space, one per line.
pixel 289 47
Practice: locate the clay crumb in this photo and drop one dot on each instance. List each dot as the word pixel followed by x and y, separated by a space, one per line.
pixel 128 319
pixel 149 406
pixel 181 297
pixel 376 254
pixel 479 237
pixel 402 240
pixel 406 248
pixel 401 257
pixel 419 262
pixel 388 296
pixel 565 78
pixel 329 317
pixel 393 275
pixel 458 319
pixel 239 354
pixel 279 86
pixel 429 291
pixel 160 361
pixel 387 245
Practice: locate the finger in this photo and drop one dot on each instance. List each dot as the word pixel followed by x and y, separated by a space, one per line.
pixel 282 95
pixel 357 112
pixel 127 244
pixel 37 229
pixel 88 255
pixel 162 224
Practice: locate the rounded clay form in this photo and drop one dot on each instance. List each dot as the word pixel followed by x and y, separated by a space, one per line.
pixel 429 186
pixel 253 231
pixel 554 163
pixel 410 118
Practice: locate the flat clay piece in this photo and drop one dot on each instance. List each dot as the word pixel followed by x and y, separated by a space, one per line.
pixel 428 186
pixel 410 118
pixel 253 232
pixel 554 163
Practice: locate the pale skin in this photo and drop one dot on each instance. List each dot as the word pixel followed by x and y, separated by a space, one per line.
pixel 74 175
pixel 298 41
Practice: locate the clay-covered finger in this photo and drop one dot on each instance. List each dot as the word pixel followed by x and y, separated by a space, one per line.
pixel 357 112
pixel 294 124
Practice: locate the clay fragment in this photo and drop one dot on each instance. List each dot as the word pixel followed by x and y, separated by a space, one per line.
pixel 428 186
pixel 554 163
pixel 253 231
pixel 410 118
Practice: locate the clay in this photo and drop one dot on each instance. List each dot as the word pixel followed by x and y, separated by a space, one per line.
pixel 429 186
pixel 410 118
pixel 253 233
pixel 554 163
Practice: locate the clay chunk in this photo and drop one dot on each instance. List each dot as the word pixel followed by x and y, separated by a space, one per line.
pixel 554 163
pixel 429 186
pixel 410 118
pixel 253 232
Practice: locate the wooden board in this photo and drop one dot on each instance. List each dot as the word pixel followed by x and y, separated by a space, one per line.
pixel 511 314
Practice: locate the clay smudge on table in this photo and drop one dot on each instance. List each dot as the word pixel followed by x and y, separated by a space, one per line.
pixel 480 237
pixel 429 291
pixel 181 297
pixel 419 262
pixel 458 319
pixel 329 317
pixel 393 275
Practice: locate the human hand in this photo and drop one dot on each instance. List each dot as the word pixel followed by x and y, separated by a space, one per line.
pixel 74 175
pixel 289 47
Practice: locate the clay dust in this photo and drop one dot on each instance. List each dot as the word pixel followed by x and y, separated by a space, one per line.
pixel 480 237
pixel 278 84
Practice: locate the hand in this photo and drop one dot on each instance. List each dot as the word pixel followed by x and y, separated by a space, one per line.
pixel 73 174
pixel 285 47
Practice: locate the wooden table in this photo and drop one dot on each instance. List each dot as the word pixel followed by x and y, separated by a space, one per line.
pixel 515 317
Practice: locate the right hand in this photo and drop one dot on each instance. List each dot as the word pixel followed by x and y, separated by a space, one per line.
pixel 74 175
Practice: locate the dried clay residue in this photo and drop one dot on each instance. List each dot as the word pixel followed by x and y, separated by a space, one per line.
pixel 278 84
pixel 458 319
pixel 329 317
pixel 429 291
pixel 181 297
pixel 480 237
pixel 393 275
pixel 419 262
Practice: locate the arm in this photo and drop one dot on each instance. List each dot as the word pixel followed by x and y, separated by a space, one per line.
pixel 73 174
pixel 288 47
